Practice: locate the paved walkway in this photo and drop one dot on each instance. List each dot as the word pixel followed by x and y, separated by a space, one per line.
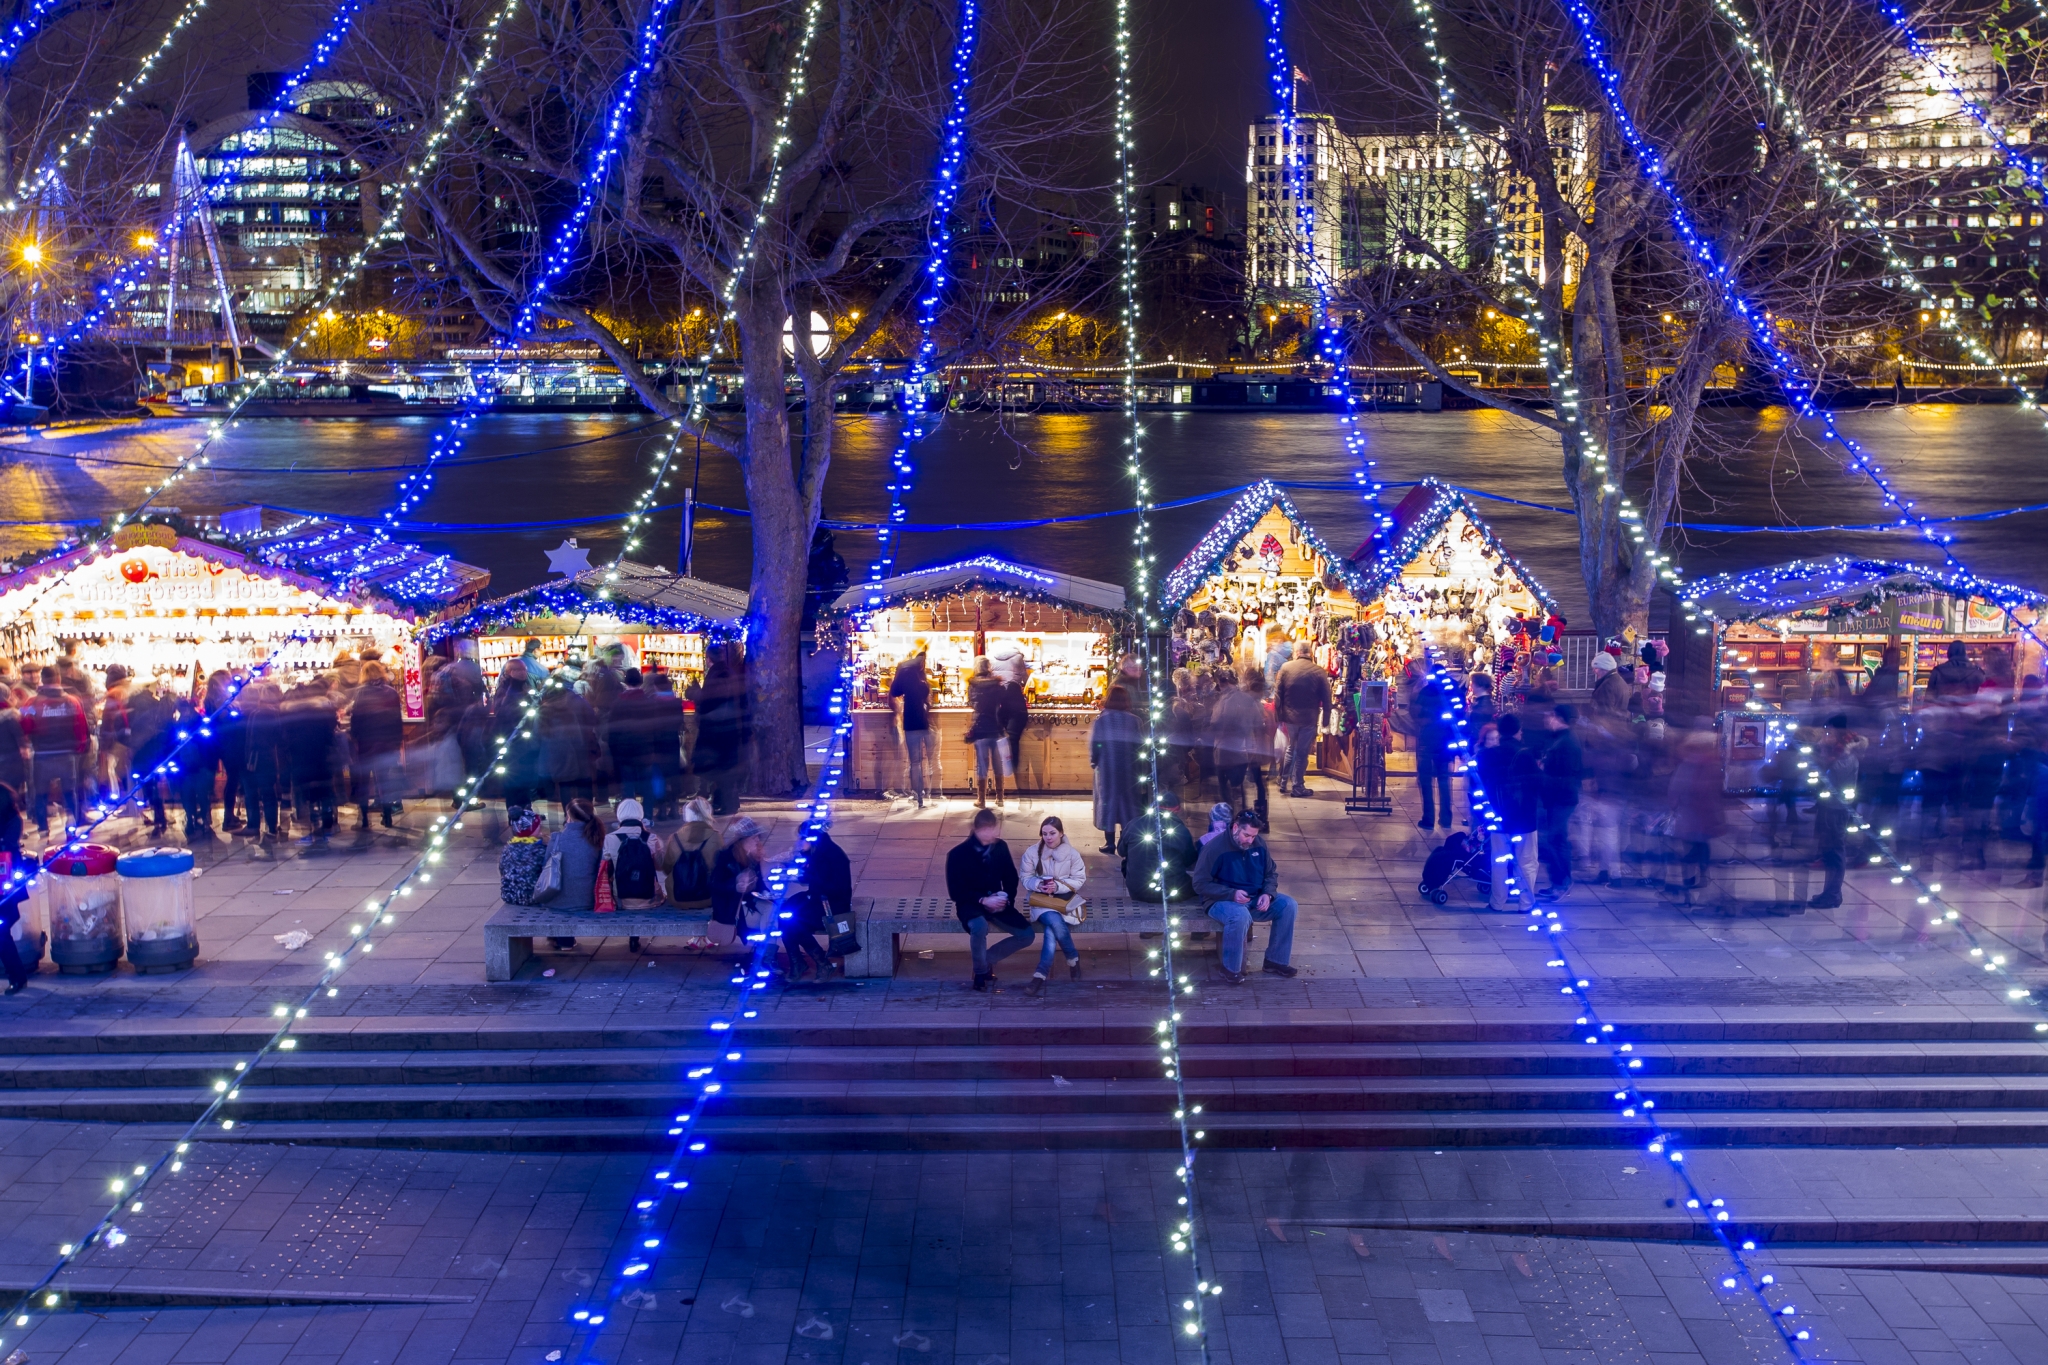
pixel 267 1254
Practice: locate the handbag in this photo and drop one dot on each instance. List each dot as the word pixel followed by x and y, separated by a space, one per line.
pixel 603 903
pixel 548 884
pixel 1072 909
pixel 845 941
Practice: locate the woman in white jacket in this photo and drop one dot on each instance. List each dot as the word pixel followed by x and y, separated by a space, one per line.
pixel 1048 882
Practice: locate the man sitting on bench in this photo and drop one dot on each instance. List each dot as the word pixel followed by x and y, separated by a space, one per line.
pixel 1239 882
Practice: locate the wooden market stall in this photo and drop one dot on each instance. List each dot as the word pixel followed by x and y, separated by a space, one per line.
pixel 1062 634
pixel 660 621
pixel 1786 635
pixel 173 600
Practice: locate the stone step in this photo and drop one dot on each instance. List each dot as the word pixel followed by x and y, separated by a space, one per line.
pixel 503 1066
pixel 1153 1132
pixel 507 1066
pixel 1010 1026
pixel 1765 1100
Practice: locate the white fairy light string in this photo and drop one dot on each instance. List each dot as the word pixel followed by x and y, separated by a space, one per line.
pixel 779 142
pixel 416 174
pixel 58 161
pixel 1184 1229
pixel 1564 392
pixel 1842 183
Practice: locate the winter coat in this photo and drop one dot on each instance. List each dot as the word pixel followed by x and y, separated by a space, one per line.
pixel 1564 771
pixel 519 867
pixel 568 738
pixel 1170 851
pixel 1513 781
pixel 1222 869
pixel 985 701
pixel 975 870
pixel 1113 752
pixel 377 720
pixel 1063 865
pixel 579 868
pixel 1302 692
pixel 639 830
pixel 735 886
pixel 1237 729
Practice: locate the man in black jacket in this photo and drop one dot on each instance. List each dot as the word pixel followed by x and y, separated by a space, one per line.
pixel 1564 774
pixel 1512 780
pixel 1237 879
pixel 981 877
pixel 1167 850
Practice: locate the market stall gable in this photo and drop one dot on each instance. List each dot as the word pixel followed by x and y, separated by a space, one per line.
pixel 163 600
pixel 1263 534
pixel 1813 628
pixel 1056 634
pixel 661 619
pixel 1437 533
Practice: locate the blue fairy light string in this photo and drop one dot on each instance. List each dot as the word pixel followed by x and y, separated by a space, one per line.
pixel 1791 373
pixel 1895 13
pixel 108 295
pixel 25 28
pixel 1629 1097
pixel 415 175
pixel 939 243
pixel 1332 344
pixel 561 253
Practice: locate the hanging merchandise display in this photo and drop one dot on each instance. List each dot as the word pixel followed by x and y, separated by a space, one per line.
pixel 658 621
pixel 172 603
pixel 1061 637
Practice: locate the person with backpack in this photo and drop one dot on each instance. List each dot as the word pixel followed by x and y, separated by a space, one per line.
pixel 635 868
pixel 688 859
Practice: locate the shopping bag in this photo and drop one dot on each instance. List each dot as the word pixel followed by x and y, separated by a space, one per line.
pixel 604 904
pixel 548 884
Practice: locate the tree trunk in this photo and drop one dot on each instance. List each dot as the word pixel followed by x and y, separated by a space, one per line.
pixel 782 525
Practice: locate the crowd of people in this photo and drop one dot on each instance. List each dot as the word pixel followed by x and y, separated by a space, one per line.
pixel 253 756
pixel 1603 791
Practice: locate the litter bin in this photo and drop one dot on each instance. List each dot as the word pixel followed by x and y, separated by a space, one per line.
pixel 156 907
pixel 85 908
pixel 30 933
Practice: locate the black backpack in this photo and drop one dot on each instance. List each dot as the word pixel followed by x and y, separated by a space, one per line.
pixel 635 876
pixel 690 883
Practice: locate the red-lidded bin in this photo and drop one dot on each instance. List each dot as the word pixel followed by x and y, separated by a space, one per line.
pixel 85 908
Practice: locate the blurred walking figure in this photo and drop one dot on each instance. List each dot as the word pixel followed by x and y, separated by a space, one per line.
pixel 1564 775
pixel 59 739
pixel 568 745
pixel 1435 733
pixel 1834 806
pixel 1113 753
pixel 985 731
pixel 1511 778
pixel 261 704
pixel 1698 808
pixel 1301 698
pixel 1238 733
pixel 910 696
pixel 377 733
pixel 309 738
pixel 725 729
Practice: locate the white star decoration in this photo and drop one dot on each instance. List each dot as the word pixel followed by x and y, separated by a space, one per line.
pixel 568 559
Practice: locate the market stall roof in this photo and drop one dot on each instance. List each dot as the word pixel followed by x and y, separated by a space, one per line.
pixel 1202 562
pixel 1417 519
pixel 337 553
pixel 309 554
pixel 642 595
pixel 985 572
pixel 1840 586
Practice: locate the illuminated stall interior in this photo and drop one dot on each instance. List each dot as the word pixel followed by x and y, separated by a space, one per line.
pixel 173 600
pixel 661 621
pixel 1791 633
pixel 1061 635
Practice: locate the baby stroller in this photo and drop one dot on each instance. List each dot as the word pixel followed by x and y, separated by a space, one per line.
pixel 1458 856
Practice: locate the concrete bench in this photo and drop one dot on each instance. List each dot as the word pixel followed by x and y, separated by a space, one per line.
pixel 884 921
pixel 509 934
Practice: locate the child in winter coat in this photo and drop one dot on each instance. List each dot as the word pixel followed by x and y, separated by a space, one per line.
pixel 523 857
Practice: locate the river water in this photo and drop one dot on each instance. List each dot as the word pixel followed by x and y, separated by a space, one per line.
pixel 1759 468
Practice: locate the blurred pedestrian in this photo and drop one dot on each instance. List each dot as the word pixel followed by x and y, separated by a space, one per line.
pixel 1512 781
pixel 265 765
pixel 1238 733
pixel 1158 860
pixel 1834 805
pixel 910 696
pixel 1301 698
pixel 309 722
pixel 1564 777
pixel 58 739
pixel 568 745
pixel 1113 743
pixel 377 737
pixel 985 731
pixel 725 731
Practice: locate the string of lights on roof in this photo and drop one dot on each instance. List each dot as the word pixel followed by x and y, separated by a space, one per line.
pixel 1184 1228
pixel 1791 374
pixel 1524 295
pixel 1842 183
pixel 416 173
pixel 938 249
pixel 1903 26
pixel 779 142
pixel 1390 560
pixel 1199 564
pixel 1332 344
pixel 565 601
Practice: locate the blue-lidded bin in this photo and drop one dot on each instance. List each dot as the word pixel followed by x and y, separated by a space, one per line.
pixel 157 909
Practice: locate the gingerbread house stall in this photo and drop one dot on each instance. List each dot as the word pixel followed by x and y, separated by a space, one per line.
pixel 1058 634
pixel 172 600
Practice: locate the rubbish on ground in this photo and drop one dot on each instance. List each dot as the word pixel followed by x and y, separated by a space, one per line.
pixel 293 939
